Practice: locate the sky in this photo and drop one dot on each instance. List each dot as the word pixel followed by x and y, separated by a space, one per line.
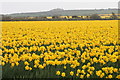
pixel 23 6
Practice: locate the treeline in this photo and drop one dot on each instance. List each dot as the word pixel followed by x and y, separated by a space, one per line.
pixel 55 18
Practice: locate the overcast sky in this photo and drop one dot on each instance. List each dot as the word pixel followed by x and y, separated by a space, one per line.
pixel 14 6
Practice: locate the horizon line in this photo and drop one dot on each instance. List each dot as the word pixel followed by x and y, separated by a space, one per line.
pixel 58 8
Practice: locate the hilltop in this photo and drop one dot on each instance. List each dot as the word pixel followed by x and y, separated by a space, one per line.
pixel 62 12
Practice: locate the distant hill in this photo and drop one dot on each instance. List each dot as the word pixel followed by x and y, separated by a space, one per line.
pixel 62 12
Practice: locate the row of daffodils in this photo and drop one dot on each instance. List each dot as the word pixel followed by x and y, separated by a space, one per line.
pixel 69 49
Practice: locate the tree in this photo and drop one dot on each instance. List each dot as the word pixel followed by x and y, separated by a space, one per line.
pixel 5 17
pixel 114 16
pixel 75 17
pixel 95 16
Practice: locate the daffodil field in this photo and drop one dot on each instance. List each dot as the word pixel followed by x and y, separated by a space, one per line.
pixel 60 49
